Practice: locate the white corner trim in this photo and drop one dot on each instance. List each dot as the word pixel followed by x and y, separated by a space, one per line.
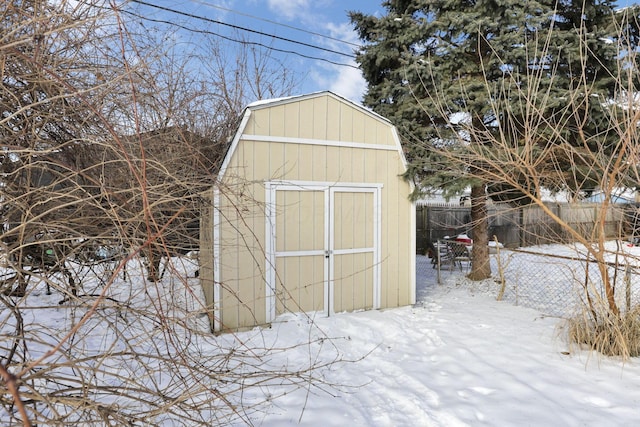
pixel 270 249
pixel 412 253
pixel 217 324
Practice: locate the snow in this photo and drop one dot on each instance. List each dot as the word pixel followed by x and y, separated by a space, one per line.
pixel 460 358
pixel 457 357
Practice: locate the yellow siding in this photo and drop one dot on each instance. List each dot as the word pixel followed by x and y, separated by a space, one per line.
pixel 406 248
pixel 320 119
pixel 358 165
pixel 345 162
pixel 371 133
pixel 382 133
pixel 277 121
pixel 241 267
pixel 306 163
pixel 346 123
pixel 334 117
pixel 319 163
pixel 229 271
pixel 291 162
pixel 332 165
pixel 306 118
pixel 391 233
pixel 261 168
pixel 276 167
pixel 359 123
pixel 292 117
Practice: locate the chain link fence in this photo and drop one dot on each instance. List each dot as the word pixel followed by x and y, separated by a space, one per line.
pixel 559 284
pixel 555 280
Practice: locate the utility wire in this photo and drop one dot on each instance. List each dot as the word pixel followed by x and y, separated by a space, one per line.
pixel 238 27
pixel 160 21
pixel 205 3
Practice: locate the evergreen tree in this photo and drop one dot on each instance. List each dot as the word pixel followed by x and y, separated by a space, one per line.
pixel 449 73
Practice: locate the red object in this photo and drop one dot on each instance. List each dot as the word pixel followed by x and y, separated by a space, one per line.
pixel 463 238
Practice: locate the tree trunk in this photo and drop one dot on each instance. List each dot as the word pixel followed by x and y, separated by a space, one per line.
pixel 480 267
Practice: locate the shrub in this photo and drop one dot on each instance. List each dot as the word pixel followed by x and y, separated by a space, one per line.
pixel 608 334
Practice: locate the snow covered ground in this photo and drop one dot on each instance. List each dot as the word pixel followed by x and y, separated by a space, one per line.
pixel 456 358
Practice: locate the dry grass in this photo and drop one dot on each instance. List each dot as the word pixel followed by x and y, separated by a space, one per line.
pixel 606 333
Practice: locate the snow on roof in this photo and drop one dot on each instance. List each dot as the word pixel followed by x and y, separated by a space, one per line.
pixel 263 102
pixel 270 101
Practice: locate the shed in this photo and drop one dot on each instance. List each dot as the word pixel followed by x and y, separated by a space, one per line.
pixel 310 213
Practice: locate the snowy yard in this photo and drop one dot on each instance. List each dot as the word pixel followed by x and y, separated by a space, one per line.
pixel 459 358
pixel 456 358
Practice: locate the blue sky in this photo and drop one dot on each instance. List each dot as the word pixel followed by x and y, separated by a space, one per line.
pixel 322 25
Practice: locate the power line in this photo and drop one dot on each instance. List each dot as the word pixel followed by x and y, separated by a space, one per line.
pixel 238 27
pixel 193 30
pixel 205 3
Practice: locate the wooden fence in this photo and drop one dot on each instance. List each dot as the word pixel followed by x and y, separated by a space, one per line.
pixel 517 226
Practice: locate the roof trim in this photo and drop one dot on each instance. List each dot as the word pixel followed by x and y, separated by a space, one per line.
pixel 234 144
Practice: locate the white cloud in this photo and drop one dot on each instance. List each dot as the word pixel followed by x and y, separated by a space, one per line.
pixel 350 84
pixel 345 81
pixel 290 9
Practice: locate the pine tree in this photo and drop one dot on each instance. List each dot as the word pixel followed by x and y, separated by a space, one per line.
pixel 446 74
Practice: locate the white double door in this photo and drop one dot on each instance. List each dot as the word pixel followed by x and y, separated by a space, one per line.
pixel 322 248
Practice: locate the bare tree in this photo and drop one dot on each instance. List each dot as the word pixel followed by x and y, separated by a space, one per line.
pixel 107 141
pixel 187 108
pixel 49 128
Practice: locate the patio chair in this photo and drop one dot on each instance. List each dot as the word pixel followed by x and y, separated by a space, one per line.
pixel 459 253
pixel 441 253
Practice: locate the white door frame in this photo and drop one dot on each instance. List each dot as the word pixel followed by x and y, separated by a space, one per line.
pixel 329 189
